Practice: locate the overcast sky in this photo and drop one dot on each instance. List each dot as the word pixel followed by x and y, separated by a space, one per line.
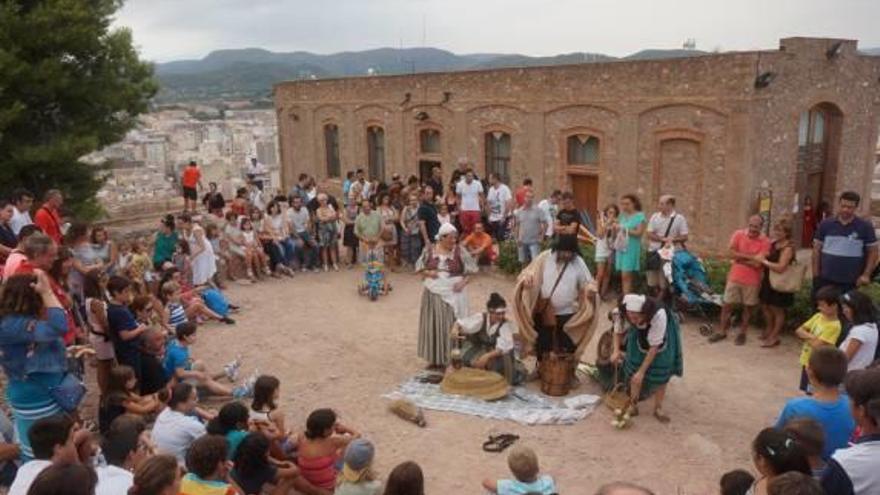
pixel 175 29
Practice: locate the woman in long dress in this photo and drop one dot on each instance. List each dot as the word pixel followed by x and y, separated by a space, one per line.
pixel 201 253
pixel 444 267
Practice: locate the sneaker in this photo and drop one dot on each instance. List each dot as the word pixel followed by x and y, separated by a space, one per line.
pixel 325 268
pixel 231 369
pixel 316 270
pixel 242 392
pixel 336 268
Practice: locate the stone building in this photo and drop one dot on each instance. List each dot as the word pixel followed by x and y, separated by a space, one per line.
pixel 718 131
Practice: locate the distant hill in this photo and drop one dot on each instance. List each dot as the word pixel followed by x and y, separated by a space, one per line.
pixel 871 51
pixel 251 72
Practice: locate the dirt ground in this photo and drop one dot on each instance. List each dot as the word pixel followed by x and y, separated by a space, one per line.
pixel 333 348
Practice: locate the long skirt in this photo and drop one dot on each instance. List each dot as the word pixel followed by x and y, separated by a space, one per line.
pixel 30 401
pixel 435 321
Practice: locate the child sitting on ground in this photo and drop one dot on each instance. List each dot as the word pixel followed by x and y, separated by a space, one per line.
pixel 178 312
pixel 822 329
pixel 232 424
pixel 256 472
pixel 179 365
pixel 321 446
pixel 268 418
pixel 826 370
pixel 775 453
pixel 523 464
pixel 736 482
pixel 357 477
pixel 808 433
pixel 122 398
pixel 793 483
pixel 140 268
pixel 208 469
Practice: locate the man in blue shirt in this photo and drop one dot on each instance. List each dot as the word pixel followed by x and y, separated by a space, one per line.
pixel 844 248
pixel 125 331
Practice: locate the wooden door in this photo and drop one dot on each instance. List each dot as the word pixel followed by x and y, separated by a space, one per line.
pixel 586 193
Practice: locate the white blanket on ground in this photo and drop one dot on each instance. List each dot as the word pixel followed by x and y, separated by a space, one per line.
pixel 522 405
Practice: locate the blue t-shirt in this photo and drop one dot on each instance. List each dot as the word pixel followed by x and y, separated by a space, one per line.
pixel 233 440
pixel 835 417
pixel 843 248
pixel 176 356
pixel 120 318
pixel 543 485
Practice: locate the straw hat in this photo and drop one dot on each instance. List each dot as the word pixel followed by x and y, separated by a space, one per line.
pixel 482 384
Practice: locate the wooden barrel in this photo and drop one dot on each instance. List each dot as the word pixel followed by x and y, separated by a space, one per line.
pixel 556 372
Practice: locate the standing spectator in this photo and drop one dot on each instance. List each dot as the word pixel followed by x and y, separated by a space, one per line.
pixel 105 249
pixel 860 344
pixel 240 203
pixel 436 181
pixel 529 228
pixel 301 188
pixel 124 330
pixel 452 203
pixel 328 236
pixel 470 191
pixel 10 452
pixel 568 220
pixel 48 216
pixel 201 252
pixel 23 200
pixel 823 329
pixel 357 191
pixel 367 228
pixel 256 173
pixel 299 221
pixel 782 254
pixel 479 245
pixel 213 200
pixel 551 208
pixel 165 242
pixel 746 248
pixel 8 239
pixel 500 203
pixel 666 227
pixel 346 186
pixel 410 231
pixel 390 216
pixel 191 180
pixel 628 261
pixel 808 228
pixel 54 439
pixel 845 248
pixel 176 427
pixel 521 191
pixel 429 224
pixel 462 168
pixel 606 232
pixel 856 470
pixel 85 259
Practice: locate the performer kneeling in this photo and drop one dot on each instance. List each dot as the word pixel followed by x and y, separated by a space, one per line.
pixel 487 341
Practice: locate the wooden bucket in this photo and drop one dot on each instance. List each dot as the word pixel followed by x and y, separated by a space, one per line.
pixel 556 373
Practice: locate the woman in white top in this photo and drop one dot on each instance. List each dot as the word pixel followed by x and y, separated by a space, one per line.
pixel 860 343
pixel 201 253
pixel 487 340
pixel 275 228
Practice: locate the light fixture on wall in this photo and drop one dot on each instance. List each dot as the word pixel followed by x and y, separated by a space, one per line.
pixel 764 80
pixel 834 50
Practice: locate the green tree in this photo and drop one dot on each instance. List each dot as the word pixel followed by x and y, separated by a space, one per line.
pixel 69 85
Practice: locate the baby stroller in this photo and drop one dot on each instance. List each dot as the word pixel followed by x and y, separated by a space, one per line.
pixel 374 283
pixel 689 287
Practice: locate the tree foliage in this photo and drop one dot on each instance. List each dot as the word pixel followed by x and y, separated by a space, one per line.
pixel 69 85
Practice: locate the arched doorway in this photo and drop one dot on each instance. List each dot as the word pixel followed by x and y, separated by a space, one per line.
pixel 817 162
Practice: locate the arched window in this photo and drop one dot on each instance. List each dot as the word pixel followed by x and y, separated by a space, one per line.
pixel 498 154
pixel 376 152
pixel 429 141
pixel 331 150
pixel 583 149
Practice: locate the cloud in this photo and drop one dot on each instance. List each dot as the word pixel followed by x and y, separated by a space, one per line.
pixel 174 29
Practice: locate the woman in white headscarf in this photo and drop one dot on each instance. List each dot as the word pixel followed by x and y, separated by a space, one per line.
pixel 444 267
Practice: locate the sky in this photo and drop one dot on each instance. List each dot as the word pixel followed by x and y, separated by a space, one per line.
pixel 167 30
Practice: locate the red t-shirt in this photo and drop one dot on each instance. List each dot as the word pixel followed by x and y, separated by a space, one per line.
pixel 191 176
pixel 49 221
pixel 742 273
pixel 520 195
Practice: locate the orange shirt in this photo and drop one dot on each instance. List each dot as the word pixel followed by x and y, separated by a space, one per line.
pixel 191 176
pixel 477 241
pixel 49 221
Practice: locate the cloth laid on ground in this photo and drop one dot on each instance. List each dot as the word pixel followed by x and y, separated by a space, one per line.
pixel 521 405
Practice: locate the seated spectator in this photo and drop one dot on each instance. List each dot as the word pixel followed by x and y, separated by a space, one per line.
pixel 357 477
pixel 860 344
pixel 54 441
pixel 479 244
pixel 122 397
pixel 808 433
pixel 126 446
pixel 523 464
pixel 208 468
pixel 774 453
pixel 794 483
pixel 194 299
pixel 405 479
pixel 153 378
pixel 158 475
pixel 856 470
pixel 176 428
pixel 230 423
pixel 826 370
pixel 179 365
pixel 736 482
pixel 268 418
pixel 65 479
pixel 321 446
pixel 9 452
pixel 255 472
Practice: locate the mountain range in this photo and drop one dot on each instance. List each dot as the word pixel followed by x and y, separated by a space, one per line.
pixel 250 73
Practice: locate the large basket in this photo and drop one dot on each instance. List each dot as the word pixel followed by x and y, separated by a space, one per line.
pixel 556 370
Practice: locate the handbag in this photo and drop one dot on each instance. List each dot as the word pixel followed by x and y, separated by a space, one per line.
pixel 653 260
pixel 791 280
pixel 621 241
pixel 69 393
pixel 543 313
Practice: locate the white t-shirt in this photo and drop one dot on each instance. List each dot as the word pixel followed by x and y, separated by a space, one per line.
pixel 470 195
pixel 19 219
pixel 26 475
pixel 174 432
pixel 551 210
pixel 113 480
pixel 656 332
pixel 575 278
pixel 498 199
pixel 658 225
pixel 473 323
pixel 866 333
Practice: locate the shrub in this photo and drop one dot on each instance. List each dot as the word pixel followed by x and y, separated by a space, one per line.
pixel 508 261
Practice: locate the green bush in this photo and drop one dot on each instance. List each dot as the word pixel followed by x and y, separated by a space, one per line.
pixel 508 261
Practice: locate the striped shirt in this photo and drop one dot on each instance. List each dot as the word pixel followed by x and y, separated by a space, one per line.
pixel 176 314
pixel 844 248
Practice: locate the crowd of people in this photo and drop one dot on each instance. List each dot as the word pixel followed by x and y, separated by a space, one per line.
pixel 72 293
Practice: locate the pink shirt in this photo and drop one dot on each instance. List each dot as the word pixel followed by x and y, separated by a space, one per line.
pixel 741 273
pixel 12 263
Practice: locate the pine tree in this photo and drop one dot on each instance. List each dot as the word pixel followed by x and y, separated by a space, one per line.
pixel 69 85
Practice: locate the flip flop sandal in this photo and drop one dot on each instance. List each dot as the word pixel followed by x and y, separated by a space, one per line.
pixel 499 443
pixel 717 337
pixel 776 343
